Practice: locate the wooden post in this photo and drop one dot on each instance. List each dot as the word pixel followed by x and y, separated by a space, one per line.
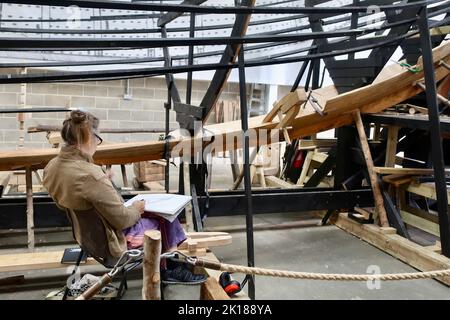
pixel 30 212
pixel 285 132
pixel 379 204
pixel 21 116
pixel 377 132
pixel 235 170
pixel 305 168
pixel 391 148
pixel 124 175
pixel 187 191
pixel 151 273
pixel 238 181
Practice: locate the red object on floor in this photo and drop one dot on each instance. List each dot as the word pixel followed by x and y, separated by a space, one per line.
pixel 299 159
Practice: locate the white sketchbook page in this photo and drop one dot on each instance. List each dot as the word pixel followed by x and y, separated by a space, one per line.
pixel 168 217
pixel 167 204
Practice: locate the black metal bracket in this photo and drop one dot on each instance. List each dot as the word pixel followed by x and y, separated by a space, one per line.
pixel 188 114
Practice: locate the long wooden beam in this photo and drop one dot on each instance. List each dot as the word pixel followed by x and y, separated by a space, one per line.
pixel 379 203
pixel 374 98
pixel 406 171
pixel 58 128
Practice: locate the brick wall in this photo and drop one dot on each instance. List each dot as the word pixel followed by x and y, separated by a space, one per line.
pixel 105 99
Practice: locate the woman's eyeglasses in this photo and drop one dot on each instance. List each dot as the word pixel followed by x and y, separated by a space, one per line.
pixel 100 140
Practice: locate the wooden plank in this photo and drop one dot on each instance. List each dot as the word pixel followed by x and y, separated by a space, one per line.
pixel 208 242
pixel 319 157
pixel 204 234
pixel 406 171
pixel 379 203
pixel 420 223
pixel 426 190
pixel 215 274
pixel 48 260
pixel 435 248
pixel 35 261
pixel 58 128
pixel 154 185
pixel 211 290
pixel 391 148
pixel 30 209
pixel 261 176
pixel 305 168
pixel 289 101
pixel 381 90
pixel 429 216
pixel 187 191
pixel 397 180
pixel 321 174
pixel 273 181
pixel 444 30
pixel 397 246
pixel 269 226
pixel 240 177
pixel 317 143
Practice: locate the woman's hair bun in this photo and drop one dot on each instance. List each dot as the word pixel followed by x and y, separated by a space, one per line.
pixel 78 127
pixel 78 116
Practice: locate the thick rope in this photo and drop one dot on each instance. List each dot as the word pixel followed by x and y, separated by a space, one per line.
pixel 333 277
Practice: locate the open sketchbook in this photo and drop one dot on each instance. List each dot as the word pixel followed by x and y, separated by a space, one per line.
pixel 167 206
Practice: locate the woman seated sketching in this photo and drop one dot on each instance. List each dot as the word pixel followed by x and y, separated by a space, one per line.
pixel 76 183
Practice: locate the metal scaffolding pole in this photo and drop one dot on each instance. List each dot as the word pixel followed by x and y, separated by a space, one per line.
pixel 190 60
pixel 435 132
pixel 167 107
pixel 247 180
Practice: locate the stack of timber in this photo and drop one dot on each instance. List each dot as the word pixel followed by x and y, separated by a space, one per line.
pixel 149 174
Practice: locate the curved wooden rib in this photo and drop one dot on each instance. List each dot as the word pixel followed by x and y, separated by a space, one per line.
pixel 289 106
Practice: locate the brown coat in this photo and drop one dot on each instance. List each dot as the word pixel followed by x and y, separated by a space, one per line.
pixel 76 183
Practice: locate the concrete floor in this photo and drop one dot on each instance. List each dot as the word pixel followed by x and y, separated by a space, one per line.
pixel 313 249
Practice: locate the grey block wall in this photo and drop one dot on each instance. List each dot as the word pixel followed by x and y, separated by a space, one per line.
pixel 105 99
